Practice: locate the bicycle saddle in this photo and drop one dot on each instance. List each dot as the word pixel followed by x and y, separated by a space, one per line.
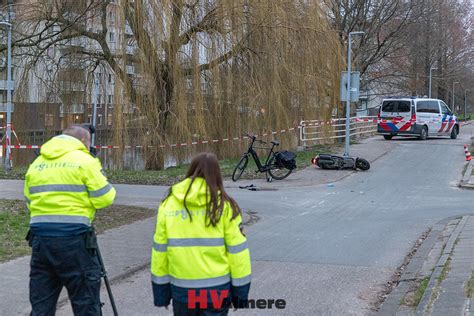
pixel 275 142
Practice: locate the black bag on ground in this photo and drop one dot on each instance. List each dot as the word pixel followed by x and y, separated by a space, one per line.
pixel 286 159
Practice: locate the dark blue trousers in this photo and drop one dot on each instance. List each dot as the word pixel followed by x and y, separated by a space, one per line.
pixel 64 261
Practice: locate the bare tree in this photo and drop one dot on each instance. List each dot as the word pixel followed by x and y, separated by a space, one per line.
pixel 384 22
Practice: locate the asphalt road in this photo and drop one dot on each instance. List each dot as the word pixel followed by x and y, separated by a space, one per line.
pixel 328 250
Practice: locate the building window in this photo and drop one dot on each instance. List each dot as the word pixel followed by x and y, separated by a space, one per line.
pixel 99 101
pixel 99 119
pixel 112 37
pixel 109 119
pixel 110 99
pixel 48 120
pixel 111 17
pixel 89 119
pixel 111 79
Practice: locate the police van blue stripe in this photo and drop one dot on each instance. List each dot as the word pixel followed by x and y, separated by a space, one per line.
pixel 392 126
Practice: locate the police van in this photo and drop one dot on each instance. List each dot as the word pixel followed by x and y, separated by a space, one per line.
pixel 421 117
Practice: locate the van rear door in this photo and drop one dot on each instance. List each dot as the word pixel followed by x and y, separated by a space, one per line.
pixel 395 115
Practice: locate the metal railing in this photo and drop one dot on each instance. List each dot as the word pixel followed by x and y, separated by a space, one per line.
pixel 316 130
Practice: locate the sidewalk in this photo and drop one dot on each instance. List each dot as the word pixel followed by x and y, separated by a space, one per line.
pixel 445 261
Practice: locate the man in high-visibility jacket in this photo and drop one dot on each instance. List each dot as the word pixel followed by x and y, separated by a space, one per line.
pixel 197 263
pixel 63 188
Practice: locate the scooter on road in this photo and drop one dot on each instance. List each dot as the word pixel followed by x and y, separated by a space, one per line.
pixel 327 161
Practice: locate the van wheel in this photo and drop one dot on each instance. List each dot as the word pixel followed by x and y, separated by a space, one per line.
pixel 423 133
pixel 387 137
pixel 454 132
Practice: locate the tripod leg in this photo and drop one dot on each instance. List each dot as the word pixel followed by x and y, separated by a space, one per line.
pixel 106 281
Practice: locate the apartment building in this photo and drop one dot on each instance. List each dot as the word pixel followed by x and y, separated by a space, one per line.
pixel 60 90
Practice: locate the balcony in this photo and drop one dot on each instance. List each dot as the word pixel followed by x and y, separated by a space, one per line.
pixel 4 86
pixel 128 30
pixel 131 50
pixel 72 109
pixel 73 45
pixel 3 107
pixel 73 86
pixel 130 70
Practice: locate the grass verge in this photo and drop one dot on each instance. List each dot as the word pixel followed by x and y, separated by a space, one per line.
pixel 14 222
pixel 413 298
pixel 445 271
pixel 174 174
pixel 15 174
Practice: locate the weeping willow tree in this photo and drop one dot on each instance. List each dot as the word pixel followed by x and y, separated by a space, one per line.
pixel 198 69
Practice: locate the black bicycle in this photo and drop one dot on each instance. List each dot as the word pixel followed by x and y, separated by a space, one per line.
pixel 273 167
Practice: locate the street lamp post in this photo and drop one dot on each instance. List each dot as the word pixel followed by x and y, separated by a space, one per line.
pixel 94 111
pixel 429 90
pixel 348 101
pixel 454 83
pixel 8 164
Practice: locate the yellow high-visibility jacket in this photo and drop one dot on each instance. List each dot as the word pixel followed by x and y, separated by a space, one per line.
pixel 65 184
pixel 189 254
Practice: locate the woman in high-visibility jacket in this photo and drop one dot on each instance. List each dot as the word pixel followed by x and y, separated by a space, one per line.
pixel 200 257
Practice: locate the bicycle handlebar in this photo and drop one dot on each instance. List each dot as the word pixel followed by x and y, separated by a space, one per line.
pixel 254 138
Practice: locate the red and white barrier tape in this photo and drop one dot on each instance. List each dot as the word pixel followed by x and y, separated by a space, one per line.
pixel 213 141
pixel 177 145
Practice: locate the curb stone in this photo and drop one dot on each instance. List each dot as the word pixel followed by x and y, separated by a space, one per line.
pixel 424 304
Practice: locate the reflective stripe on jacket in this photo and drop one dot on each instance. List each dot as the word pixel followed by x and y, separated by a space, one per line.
pixel 191 254
pixel 65 184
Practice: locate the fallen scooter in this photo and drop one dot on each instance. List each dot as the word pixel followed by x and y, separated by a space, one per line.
pixel 327 161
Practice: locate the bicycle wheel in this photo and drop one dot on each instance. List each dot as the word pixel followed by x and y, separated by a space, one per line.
pixel 239 169
pixel 276 171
